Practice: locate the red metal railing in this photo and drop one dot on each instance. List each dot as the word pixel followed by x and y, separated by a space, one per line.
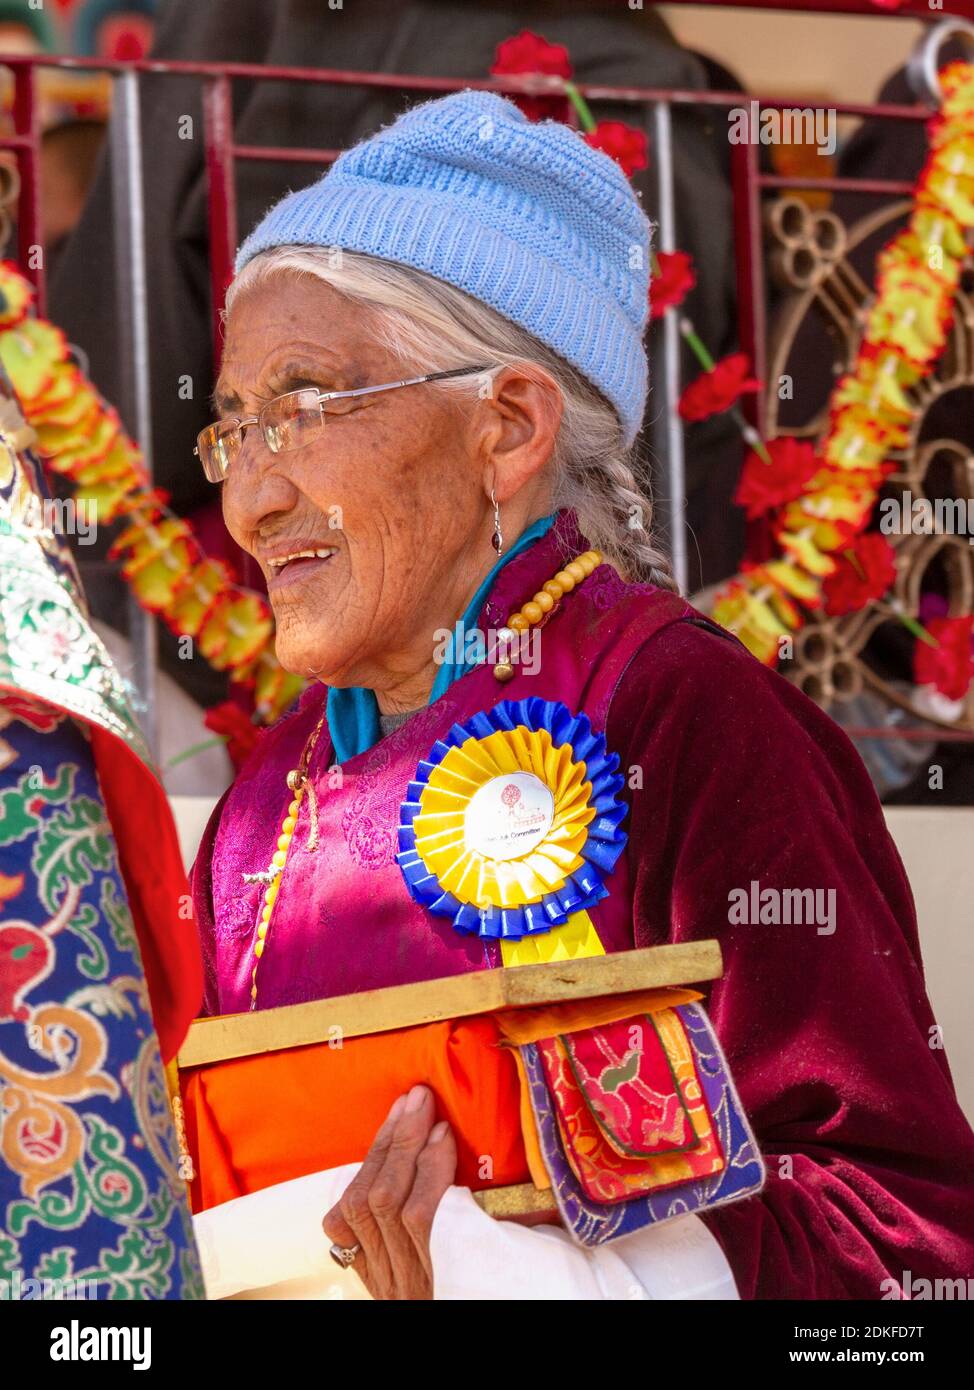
pixel 222 153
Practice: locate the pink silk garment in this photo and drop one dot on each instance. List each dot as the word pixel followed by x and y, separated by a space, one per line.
pixel 732 776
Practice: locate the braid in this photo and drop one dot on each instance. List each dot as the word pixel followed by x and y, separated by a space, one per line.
pixel 615 514
pixel 633 510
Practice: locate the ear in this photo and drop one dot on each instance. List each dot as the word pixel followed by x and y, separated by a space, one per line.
pixel 517 426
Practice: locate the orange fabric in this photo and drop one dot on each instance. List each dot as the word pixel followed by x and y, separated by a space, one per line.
pixel 255 1121
pixel 530 1025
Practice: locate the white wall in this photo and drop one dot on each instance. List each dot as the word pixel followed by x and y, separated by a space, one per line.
pixel 816 57
pixel 938 852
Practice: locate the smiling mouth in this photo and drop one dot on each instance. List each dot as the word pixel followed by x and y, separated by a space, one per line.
pixel 298 562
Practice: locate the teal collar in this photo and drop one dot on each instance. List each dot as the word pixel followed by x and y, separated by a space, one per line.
pixel 353 712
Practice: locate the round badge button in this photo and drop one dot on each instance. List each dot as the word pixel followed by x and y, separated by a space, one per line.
pixel 509 816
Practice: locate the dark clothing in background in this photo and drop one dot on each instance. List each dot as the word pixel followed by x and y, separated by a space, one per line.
pixel 611 45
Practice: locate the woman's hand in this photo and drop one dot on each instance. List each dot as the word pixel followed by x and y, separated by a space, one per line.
pixel 389 1206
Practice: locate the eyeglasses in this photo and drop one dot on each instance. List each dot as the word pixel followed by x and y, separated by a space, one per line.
pixel 291 421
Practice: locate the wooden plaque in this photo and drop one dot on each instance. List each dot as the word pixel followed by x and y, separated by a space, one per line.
pixel 457 996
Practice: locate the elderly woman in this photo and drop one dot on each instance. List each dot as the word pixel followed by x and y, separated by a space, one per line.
pixel 432 382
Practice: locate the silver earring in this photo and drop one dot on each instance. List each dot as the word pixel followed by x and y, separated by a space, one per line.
pixel 497 539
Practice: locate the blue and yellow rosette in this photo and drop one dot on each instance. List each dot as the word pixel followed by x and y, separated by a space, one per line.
pixel 511 827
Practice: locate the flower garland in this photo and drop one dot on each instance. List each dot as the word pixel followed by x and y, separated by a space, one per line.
pixel 821 500
pixel 81 438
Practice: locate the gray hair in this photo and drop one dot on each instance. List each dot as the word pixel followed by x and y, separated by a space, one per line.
pixel 432 326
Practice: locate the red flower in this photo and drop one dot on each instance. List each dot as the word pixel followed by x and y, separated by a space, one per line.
pixel 949 667
pixel 764 486
pixel 127 38
pixel 718 389
pixel 623 143
pixel 233 724
pixel 864 572
pixel 529 53
pixel 673 281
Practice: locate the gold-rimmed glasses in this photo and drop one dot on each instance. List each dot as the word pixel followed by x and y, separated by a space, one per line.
pixel 290 421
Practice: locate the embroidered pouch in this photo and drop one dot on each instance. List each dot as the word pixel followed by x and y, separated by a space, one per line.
pixel 737 1168
pixel 683 1147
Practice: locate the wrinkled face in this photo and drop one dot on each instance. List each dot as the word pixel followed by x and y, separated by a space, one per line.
pixel 388 495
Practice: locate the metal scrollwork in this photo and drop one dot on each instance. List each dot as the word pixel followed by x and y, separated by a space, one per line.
pixel 810 257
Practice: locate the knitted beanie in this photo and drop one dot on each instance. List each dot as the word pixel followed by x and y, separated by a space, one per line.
pixel 525 217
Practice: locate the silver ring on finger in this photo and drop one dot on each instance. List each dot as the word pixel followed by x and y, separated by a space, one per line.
pixel 344 1255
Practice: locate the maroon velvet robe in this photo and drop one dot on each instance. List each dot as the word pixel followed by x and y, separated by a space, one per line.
pixel 870 1159
pixel 828 1036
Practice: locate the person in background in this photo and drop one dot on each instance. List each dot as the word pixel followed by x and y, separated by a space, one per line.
pixel 69 158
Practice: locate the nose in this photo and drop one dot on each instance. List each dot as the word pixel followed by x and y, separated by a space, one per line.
pixel 256 489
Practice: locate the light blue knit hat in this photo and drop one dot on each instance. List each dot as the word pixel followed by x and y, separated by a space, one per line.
pixel 525 217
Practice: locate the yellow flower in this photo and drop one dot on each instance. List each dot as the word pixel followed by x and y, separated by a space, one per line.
pixel 803 550
pixel 751 619
pixel 910 318
pixel 828 515
pixel 937 227
pixel 924 257
pixel 794 581
pixel 852 447
pixel 775 597
pixel 950 192
pixel 880 385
